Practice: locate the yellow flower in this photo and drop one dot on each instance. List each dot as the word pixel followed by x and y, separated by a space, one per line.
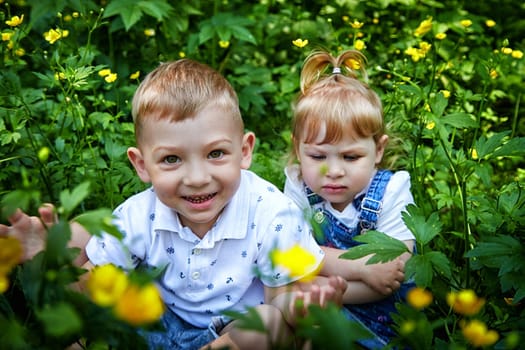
pixel 300 42
pixel 60 76
pixel 430 125
pixel 104 72
pixel 465 302
pixel 474 154
pixel 224 44
pixel 68 18
pixel 356 24
pixel 135 75
pixel 149 32
pixel 493 73
pixel 466 23
pixel 110 77
pixel 106 284
pixel 445 93
pixel 55 34
pixel 75 14
pixel 375 20
pixel 20 52
pixel 517 54
pixel 15 21
pixel 477 334
pixel 427 107
pixel 10 254
pixel 424 46
pixel 490 23
pixel 6 36
pixel 424 27
pixel 506 50
pixel 182 54
pixel 4 283
pixel 140 305
pixel 441 36
pixel 353 63
pixel 296 260
pixel 419 298
pixel 359 45
pixel 345 18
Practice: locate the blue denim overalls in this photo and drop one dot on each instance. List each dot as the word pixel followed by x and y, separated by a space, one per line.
pixel 374 316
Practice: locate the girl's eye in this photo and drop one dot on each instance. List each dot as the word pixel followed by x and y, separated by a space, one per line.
pixel 317 157
pixel 216 154
pixel 171 159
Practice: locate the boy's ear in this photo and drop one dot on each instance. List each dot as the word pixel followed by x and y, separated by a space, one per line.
pixel 380 148
pixel 135 157
pixel 248 143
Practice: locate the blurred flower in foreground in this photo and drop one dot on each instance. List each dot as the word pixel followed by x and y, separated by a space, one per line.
pixel 419 298
pixel 466 23
pixel 424 27
pixel 353 63
pixel 441 36
pixel 149 32
pixel 359 45
pixel 15 21
pixel 477 334
pixel 107 284
pixel 356 24
pixel 296 260
pixel 140 305
pixel 224 44
pixel 517 54
pixel 490 23
pixel 465 302
pixel 10 256
pixel 300 42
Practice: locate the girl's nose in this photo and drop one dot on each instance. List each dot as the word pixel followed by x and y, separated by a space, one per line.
pixel 335 169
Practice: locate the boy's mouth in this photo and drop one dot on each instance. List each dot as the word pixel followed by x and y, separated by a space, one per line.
pixel 199 199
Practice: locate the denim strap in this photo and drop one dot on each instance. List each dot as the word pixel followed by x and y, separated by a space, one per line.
pixel 371 204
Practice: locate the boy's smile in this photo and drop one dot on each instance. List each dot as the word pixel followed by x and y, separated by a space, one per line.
pixel 195 164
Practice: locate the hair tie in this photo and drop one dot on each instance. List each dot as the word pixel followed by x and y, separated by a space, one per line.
pixel 337 70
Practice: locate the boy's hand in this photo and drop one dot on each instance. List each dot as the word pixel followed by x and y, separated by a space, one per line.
pixel 385 278
pixel 320 292
pixel 30 230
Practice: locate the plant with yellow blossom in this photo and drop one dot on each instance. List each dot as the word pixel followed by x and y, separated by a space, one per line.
pixel 297 261
pixel 465 302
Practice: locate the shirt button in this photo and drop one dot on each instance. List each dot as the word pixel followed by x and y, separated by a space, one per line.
pixel 196 251
pixel 195 275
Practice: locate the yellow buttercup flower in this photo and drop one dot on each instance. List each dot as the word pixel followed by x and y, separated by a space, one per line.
pixel 107 284
pixel 424 27
pixel 140 305
pixel 517 54
pixel 359 45
pixel 15 21
pixel 490 23
pixel 465 302
pixel 493 73
pixel 296 260
pixel 182 54
pixel 356 24
pixel 419 298
pixel 104 72
pixel 445 93
pixel 149 32
pixel 477 333
pixel 474 154
pixel 506 50
pixel 224 44
pixel 6 36
pixel 55 34
pixel 353 63
pixel 466 23
pixel 425 47
pixel 441 36
pixel 300 42
pixel 430 125
pixel 135 75
pixel 110 77
pixel 20 52
pixel 10 254
pixel 4 283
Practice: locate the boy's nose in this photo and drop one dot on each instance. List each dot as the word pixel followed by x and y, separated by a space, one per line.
pixel 196 175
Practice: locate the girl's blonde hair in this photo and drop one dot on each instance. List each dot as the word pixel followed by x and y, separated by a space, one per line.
pixel 332 96
pixel 179 90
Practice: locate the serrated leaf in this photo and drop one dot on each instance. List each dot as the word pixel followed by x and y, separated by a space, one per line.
pixel 98 221
pixel 382 247
pixel 485 146
pixel 424 230
pixel 60 320
pixel 69 200
pixel 460 120
pixel 159 9
pixel 514 147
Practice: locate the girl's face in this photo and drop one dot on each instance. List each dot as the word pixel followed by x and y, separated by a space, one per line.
pixel 195 164
pixel 339 171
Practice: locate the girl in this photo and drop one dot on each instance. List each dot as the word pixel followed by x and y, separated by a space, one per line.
pixel 338 144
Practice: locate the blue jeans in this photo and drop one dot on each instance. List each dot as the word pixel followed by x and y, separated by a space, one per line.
pixel 181 335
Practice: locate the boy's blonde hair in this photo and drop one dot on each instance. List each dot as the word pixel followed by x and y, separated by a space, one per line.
pixel 179 90
pixel 336 99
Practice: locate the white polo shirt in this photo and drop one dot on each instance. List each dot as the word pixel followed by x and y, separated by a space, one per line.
pixel 397 196
pixel 222 271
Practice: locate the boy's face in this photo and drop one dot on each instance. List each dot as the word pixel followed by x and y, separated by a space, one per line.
pixel 339 171
pixel 195 164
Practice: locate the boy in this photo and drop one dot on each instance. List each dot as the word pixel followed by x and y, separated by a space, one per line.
pixel 210 222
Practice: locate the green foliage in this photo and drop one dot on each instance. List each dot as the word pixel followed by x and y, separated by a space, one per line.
pixel 454 115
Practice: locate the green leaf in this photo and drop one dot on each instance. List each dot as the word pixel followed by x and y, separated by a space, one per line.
pixel 248 320
pixel 70 200
pixel 60 320
pixel 514 147
pixel 382 247
pixel 424 230
pixel 420 267
pixel 98 221
pixel 460 120
pixel 485 146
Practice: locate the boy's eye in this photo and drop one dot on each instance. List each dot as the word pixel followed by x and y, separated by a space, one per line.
pixel 216 154
pixel 171 159
pixel 351 157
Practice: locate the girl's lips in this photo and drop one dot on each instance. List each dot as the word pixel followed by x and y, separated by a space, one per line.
pixel 334 189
